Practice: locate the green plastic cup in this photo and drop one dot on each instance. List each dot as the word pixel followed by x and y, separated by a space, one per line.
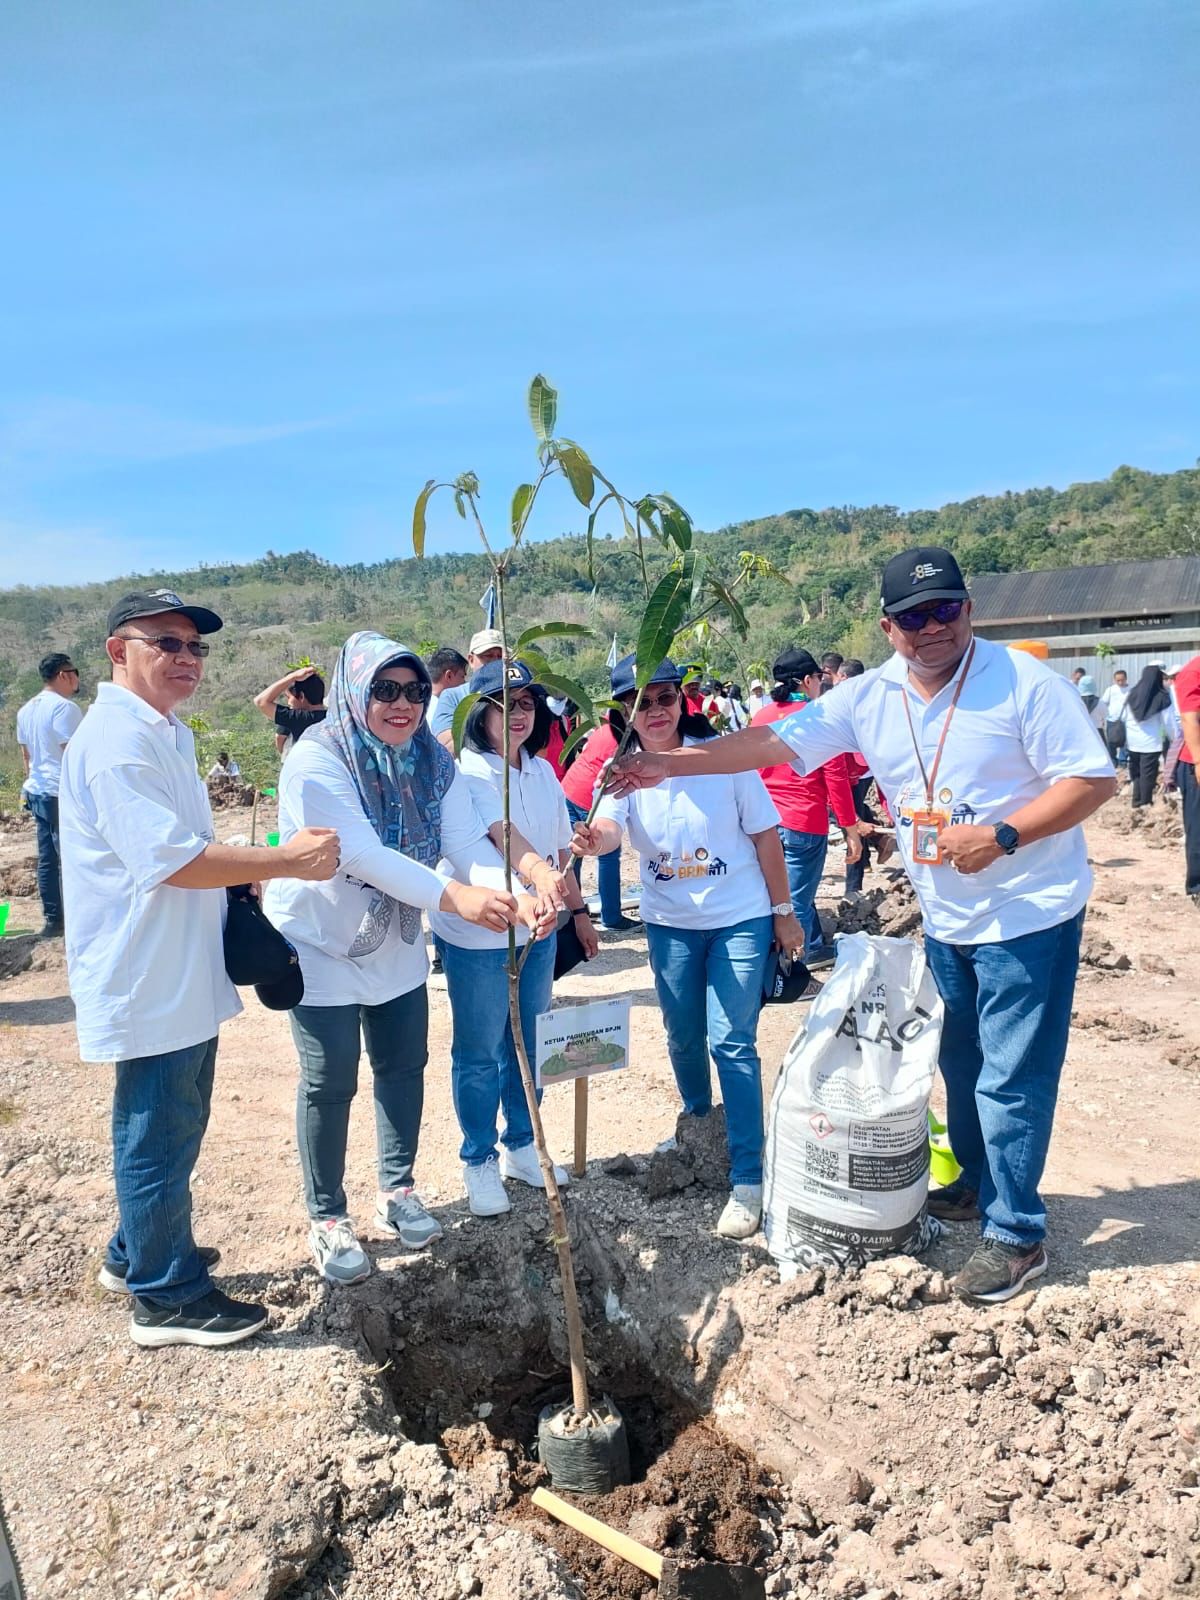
pixel 269 794
pixel 272 838
pixel 3 917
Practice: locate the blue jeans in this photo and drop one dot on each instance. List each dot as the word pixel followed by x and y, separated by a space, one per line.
pixel 485 1075
pixel 725 965
pixel 160 1111
pixel 804 855
pixel 44 809
pixel 1004 1039
pixel 329 1045
pixel 608 870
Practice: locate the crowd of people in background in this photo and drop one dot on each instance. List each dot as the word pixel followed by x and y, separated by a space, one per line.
pixel 391 829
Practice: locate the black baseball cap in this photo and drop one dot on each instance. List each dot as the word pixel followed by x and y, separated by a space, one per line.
pixel 153 603
pixel 256 952
pixel 784 980
pixel 795 663
pixel 624 675
pixel 914 576
pixel 489 678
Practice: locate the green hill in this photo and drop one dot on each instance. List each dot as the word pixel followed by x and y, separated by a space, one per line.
pixel 289 606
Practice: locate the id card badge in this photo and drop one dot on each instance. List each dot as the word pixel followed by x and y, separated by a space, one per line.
pixel 927 838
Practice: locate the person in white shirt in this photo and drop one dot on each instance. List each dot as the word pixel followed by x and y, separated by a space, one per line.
pixel 447 669
pixel 1151 722
pixel 145 883
pixel 407 823
pixel 1113 700
pixel 224 766
pixel 486 645
pixel 44 724
pixel 714 897
pixel 486 1075
pixel 990 765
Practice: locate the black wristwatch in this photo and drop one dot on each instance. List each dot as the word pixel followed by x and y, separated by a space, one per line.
pixel 1007 837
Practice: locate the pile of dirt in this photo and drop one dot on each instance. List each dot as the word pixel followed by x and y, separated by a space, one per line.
pixel 229 793
pixel 16 821
pixel 1097 951
pixel 18 879
pixel 891 910
pixel 1160 824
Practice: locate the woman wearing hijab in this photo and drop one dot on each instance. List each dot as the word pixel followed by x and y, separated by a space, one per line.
pixel 714 897
pixel 401 808
pixel 1148 728
pixel 485 1073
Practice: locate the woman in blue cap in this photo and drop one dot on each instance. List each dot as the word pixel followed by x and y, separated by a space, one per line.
pixel 412 840
pixel 714 898
pixel 486 1075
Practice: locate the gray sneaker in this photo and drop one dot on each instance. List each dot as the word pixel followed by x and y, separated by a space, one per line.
pixel 742 1215
pixel 403 1214
pixel 339 1255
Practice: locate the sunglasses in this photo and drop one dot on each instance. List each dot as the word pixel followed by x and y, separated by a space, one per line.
pixel 914 621
pixel 516 703
pixel 169 644
pixel 388 691
pixel 660 702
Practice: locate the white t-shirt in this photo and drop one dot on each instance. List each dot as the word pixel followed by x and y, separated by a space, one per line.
pixel 539 811
pixel 1113 700
pixel 1019 727
pixel 144 959
pixel 699 865
pixel 441 715
pixel 44 724
pixel 348 931
pixel 1148 738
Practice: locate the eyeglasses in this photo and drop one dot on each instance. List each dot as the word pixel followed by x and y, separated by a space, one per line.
pixel 660 702
pixel 388 691
pixel 913 621
pixel 522 702
pixel 169 644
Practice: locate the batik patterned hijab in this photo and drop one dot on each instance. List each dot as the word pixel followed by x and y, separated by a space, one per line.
pixel 401 786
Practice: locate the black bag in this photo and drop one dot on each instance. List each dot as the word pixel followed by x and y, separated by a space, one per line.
pixel 1114 735
pixel 570 951
pixel 256 952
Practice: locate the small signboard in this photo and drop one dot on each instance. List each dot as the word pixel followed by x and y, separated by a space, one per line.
pixel 581 1041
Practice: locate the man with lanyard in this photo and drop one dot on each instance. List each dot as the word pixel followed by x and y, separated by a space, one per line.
pixel 991 764
pixel 145 885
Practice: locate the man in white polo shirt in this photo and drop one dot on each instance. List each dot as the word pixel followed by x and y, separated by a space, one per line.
pixel 145 893
pixel 989 764
pixel 44 724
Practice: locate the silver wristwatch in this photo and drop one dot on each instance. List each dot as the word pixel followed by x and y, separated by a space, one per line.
pixel 783 909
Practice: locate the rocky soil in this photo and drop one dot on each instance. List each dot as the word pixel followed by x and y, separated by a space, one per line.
pixel 863 1436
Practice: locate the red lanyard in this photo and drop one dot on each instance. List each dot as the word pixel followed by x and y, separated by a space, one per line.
pixel 930 777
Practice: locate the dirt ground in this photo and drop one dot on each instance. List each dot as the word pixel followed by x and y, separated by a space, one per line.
pixel 860 1437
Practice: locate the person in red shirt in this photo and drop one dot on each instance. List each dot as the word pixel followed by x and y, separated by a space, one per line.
pixel 1187 703
pixel 804 802
pixel 578 785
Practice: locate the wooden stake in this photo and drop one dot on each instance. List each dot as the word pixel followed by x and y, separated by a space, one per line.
pixel 581 1119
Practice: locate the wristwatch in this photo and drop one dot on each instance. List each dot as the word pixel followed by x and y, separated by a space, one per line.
pixel 1007 837
pixel 783 909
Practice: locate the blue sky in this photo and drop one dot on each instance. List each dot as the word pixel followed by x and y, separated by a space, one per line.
pixel 269 266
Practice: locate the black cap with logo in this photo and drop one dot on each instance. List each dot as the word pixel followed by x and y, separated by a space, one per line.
pixel 914 576
pixel 795 662
pixel 155 603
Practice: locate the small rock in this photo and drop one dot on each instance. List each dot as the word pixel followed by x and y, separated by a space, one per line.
pixel 622 1166
pixel 986 1373
pixel 1088 1381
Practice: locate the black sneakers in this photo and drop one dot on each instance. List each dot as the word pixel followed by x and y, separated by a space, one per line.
pixel 997 1271
pixel 214 1319
pixel 112 1274
pixel 957 1202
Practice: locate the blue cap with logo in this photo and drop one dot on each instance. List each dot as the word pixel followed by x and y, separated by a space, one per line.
pixel 624 676
pixel 489 678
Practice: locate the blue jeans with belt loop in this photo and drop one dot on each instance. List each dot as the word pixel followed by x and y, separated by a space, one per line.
pixel 1004 1040
pixel 709 983
pixel 804 856
pixel 44 810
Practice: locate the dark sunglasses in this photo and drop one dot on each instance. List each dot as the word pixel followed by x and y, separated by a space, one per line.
pixel 169 644
pixel 388 691
pixel 944 611
pixel 660 702
pixel 516 703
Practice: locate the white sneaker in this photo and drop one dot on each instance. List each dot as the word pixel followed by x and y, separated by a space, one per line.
pixel 485 1192
pixel 523 1165
pixel 743 1212
pixel 401 1212
pixel 339 1255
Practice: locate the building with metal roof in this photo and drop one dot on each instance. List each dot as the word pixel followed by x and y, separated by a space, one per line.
pixel 1140 611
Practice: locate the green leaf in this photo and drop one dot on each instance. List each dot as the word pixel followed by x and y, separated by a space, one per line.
pixel 731 604
pixel 567 689
pixel 543 409
pixel 522 495
pixel 461 712
pixel 459 505
pixel 578 469
pixel 534 660
pixel 419 518
pixel 663 617
pixel 576 737
pixel 553 630
pixel 591 529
